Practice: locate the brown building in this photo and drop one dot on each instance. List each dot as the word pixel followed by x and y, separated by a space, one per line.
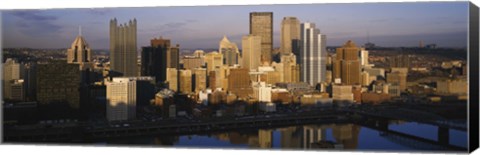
pixel 199 79
pixel 185 81
pixel 374 98
pixel 347 64
pixel 173 57
pixel 239 82
pixel 281 96
pixel 58 82
pixel 192 62
pixel 357 93
pixel 398 77
pixel 261 24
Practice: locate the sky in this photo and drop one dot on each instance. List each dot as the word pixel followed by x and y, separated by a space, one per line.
pixel 200 27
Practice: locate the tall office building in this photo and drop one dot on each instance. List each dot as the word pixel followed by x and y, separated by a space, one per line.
pixel 172 79
pixel 398 76
pixel 185 81
pixel 121 99
pixel 346 67
pixel 290 31
pixel 251 44
pixel 58 82
pixel 363 57
pixel 229 51
pixel 173 57
pixel 290 68
pixel 239 82
pixel 261 24
pixel 123 48
pixel 12 70
pixel 79 51
pixel 213 60
pixel 199 79
pixel 154 59
pixel 313 54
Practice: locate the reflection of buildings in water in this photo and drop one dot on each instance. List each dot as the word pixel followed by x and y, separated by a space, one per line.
pixel 265 138
pixel 346 134
pixel 312 134
pixel 166 140
pixel 290 137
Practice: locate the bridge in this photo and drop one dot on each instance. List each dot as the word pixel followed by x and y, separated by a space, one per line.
pixel 85 133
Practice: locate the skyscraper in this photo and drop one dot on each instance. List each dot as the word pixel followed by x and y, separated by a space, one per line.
pixel 290 31
pixel 261 24
pixel 289 68
pixel 347 64
pixel 79 51
pixel 173 57
pixel 123 48
pixel 229 51
pixel 121 99
pixel 185 81
pixel 154 59
pixel 313 54
pixel 213 60
pixel 58 82
pixel 12 70
pixel 251 44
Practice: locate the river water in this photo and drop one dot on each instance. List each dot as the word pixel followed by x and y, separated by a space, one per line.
pixel 321 137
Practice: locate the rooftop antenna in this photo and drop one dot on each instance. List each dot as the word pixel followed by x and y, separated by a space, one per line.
pixel 79 30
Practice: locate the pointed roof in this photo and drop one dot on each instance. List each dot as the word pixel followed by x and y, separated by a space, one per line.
pixel 350 43
pixel 80 42
pixel 225 39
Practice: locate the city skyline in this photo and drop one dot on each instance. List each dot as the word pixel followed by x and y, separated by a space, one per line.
pixel 405 24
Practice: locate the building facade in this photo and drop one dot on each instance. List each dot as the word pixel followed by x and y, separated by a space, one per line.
pixel 251 45
pixel 313 54
pixel 123 48
pixel 290 30
pixel 346 66
pixel 261 24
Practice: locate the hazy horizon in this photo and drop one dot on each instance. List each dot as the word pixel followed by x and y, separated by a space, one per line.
pixel 202 27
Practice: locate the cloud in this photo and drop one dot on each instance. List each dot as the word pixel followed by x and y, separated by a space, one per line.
pixel 34 23
pixel 99 12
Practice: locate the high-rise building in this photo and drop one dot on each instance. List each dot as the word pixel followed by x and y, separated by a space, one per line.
pixel 346 67
pixel 290 68
pixel 172 79
pixel 121 99
pixel 12 70
pixel 239 82
pixel 190 62
pixel 173 57
pixel 199 79
pixel 154 59
pixel 213 60
pixel 261 24
pixel 251 45
pixel 79 51
pixel 185 81
pixel 58 82
pixel 398 76
pixel 313 54
pixel 123 48
pixel 290 31
pixel 229 51
pixel 363 57
pixel 17 90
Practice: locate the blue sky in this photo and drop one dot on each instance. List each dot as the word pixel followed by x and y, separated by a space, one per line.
pixel 389 24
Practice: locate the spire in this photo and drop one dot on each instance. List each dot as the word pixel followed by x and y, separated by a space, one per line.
pixel 80 30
